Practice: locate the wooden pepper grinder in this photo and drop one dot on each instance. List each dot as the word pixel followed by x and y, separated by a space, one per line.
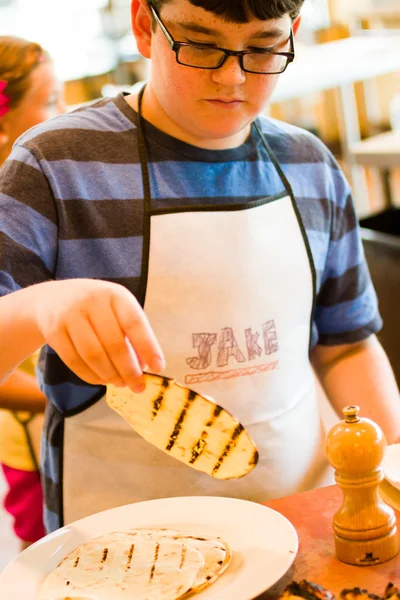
pixel 365 527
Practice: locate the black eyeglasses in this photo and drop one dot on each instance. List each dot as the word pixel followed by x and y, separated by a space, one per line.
pixel 204 56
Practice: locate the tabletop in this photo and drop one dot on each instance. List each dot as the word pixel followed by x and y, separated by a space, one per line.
pixel 311 513
pixel 382 150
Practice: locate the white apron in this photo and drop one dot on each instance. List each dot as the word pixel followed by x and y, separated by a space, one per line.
pixel 230 294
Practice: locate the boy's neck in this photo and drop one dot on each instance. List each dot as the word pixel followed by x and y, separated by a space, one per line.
pixel 152 112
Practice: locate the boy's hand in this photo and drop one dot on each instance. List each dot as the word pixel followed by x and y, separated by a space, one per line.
pixel 99 330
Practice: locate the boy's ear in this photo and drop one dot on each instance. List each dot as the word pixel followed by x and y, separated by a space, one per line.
pixel 142 26
pixel 296 24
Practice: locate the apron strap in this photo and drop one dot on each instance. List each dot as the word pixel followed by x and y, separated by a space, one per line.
pixel 289 190
pixel 276 164
pixel 147 204
pixel 144 165
pixel 144 159
pixel 143 152
pixel 24 424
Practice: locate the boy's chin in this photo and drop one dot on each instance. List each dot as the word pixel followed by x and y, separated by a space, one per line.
pixel 221 132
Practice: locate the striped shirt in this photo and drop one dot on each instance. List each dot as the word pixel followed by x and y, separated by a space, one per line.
pixel 71 205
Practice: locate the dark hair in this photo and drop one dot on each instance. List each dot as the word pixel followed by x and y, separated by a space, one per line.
pixel 242 11
pixel 18 58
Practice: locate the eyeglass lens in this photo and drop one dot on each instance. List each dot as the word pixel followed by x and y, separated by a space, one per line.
pixel 197 56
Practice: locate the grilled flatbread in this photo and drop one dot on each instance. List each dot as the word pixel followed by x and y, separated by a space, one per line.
pixel 114 567
pixel 187 426
pixel 358 594
pixel 312 591
pixel 216 552
pixel 298 590
pixel 391 592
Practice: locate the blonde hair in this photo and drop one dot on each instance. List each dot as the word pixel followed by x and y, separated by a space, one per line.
pixel 18 58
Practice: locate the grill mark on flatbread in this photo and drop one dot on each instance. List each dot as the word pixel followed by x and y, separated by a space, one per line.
pixel 229 446
pixel 129 561
pixel 103 559
pixel 153 566
pixel 183 556
pixel 198 449
pixel 76 563
pixel 217 412
pixel 177 428
pixel 254 459
pixel 159 400
pixel 128 566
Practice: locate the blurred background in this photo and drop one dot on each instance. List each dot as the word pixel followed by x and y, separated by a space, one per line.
pixel 343 92
pixel 344 86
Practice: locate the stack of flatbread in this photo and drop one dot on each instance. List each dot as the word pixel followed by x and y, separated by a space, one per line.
pixel 140 564
pixel 188 426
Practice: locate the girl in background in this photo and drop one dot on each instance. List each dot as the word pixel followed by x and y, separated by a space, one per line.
pixel 29 94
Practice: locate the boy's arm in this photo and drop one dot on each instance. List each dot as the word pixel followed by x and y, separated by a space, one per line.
pixel 96 327
pixel 21 392
pixel 360 374
pixel 19 333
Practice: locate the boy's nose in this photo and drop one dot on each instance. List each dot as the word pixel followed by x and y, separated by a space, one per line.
pixel 230 73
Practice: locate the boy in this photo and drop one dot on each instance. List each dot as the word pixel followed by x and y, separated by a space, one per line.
pixel 236 234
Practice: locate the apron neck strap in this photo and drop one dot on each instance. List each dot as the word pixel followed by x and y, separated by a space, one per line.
pixel 273 159
pixel 144 163
pixel 144 167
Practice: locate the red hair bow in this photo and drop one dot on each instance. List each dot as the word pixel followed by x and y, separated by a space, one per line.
pixel 4 99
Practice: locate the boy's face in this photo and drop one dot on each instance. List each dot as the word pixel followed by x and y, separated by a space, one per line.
pixel 208 108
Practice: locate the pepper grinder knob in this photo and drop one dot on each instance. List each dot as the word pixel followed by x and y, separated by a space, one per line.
pixel 365 527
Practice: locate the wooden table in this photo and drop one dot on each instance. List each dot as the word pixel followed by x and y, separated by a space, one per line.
pixel 311 514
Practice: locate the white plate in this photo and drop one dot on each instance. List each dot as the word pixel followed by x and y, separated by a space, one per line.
pixel 264 543
pixel 389 494
pixel 391 465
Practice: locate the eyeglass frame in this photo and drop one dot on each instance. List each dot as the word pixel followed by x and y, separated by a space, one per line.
pixel 175 47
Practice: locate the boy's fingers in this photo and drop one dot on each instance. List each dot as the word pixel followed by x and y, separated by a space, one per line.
pixel 62 344
pixel 138 331
pixel 89 348
pixel 120 353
